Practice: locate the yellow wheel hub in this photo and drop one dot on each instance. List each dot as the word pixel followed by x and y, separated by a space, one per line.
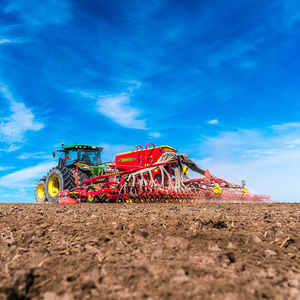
pixel 54 186
pixel 41 191
pixel 217 190
pixel 91 197
pixel 185 170
pixel 244 191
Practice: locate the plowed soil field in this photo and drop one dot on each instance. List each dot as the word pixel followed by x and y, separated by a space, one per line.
pixel 150 251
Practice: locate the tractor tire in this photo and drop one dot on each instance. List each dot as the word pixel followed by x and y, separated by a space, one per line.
pixel 81 177
pixel 40 195
pixel 58 179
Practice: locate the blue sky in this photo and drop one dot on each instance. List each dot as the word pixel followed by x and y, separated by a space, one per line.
pixel 218 80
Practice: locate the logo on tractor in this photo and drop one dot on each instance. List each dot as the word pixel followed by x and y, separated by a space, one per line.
pixel 126 159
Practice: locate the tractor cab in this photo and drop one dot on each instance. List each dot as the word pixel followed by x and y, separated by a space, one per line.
pixel 91 158
pixel 90 155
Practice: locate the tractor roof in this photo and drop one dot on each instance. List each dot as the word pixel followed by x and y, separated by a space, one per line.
pixel 80 146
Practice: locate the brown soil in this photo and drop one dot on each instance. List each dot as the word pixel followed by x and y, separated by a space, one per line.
pixel 150 251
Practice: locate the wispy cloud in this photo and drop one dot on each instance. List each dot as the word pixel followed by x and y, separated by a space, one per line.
pixel 26 177
pixel 133 85
pixel 285 126
pixel 5 168
pixel 6 93
pixel 35 155
pixel 155 134
pixel 16 195
pixel 10 148
pixel 243 51
pixel 14 127
pixel 268 160
pixel 213 122
pixel 41 12
pixel 5 41
pixel 11 41
pixel 118 107
pixel 239 52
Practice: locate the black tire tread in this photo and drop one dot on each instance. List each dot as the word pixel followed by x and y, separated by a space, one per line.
pixel 36 198
pixel 82 176
pixel 67 179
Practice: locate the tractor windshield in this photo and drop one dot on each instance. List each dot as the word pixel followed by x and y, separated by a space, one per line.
pixel 72 157
pixel 91 158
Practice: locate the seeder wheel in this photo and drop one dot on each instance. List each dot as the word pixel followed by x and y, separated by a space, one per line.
pixel 120 199
pixel 217 190
pixel 91 198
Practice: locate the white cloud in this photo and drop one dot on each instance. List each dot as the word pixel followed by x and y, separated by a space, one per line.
pixel 19 186
pixel 133 85
pixel 38 13
pixel 6 93
pixel 5 41
pixel 5 168
pixel 21 120
pixel 34 155
pixel 118 109
pixel 286 126
pixel 213 122
pixel 237 51
pixel 155 134
pixel 11 148
pixel 26 177
pixel 10 41
pixel 13 196
pixel 264 158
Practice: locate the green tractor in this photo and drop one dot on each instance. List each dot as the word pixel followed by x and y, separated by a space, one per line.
pixel 64 176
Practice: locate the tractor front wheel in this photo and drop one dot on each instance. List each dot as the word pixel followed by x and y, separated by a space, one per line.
pixel 40 195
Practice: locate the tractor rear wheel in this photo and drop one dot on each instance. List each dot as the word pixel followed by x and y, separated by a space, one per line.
pixel 40 195
pixel 81 177
pixel 59 178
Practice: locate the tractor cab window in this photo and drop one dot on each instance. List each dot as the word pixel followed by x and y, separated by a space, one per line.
pixel 73 157
pixel 91 158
